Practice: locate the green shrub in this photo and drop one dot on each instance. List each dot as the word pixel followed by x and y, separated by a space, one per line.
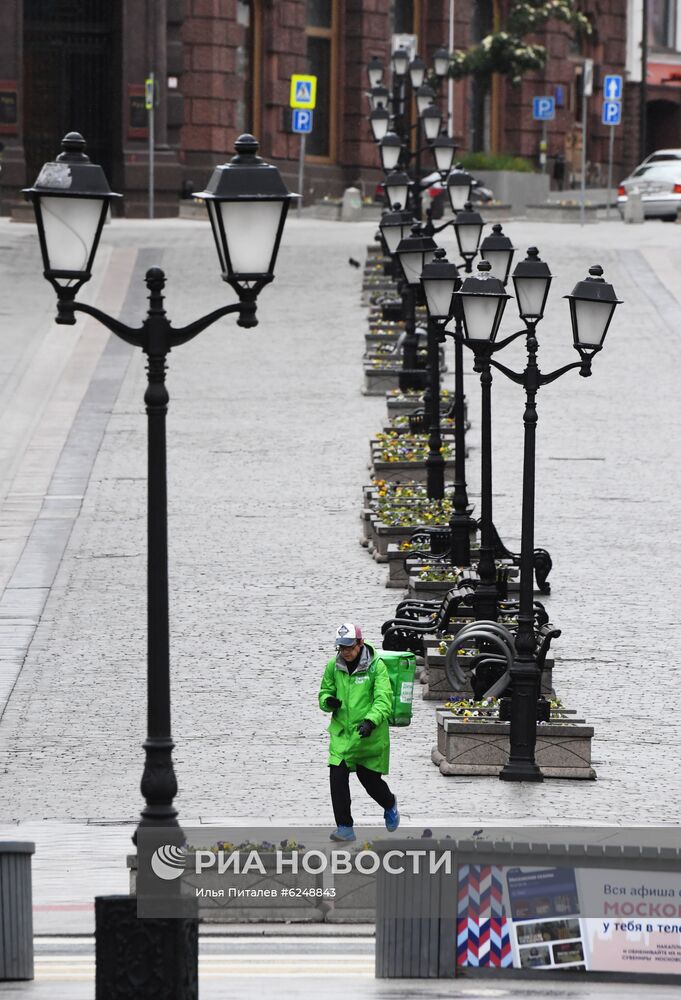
pixel 496 161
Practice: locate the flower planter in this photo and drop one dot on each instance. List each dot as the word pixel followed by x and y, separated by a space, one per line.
pixel 398 472
pixel 397 572
pixel 400 425
pixel 378 380
pixel 398 402
pixel 482 747
pixel 431 590
pixel 436 685
pixel 382 535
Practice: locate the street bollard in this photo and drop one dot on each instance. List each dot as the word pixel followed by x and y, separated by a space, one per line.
pixel 633 208
pixel 16 911
pixel 351 208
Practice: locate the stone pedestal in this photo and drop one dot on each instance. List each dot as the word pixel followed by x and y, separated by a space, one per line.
pixel 482 747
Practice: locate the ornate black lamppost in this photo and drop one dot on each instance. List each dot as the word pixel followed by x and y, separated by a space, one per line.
pixel 592 305
pixel 247 204
pixel 468 228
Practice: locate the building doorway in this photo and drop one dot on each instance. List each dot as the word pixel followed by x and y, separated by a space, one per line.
pixel 71 80
pixel 663 125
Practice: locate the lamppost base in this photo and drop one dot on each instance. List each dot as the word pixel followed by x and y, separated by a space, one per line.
pixel 138 957
pixel 523 770
pixel 412 378
pixel 460 526
pixel 485 600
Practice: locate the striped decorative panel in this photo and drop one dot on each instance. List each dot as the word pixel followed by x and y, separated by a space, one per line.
pixel 482 929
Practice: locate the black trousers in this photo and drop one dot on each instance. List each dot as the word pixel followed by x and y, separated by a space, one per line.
pixel 339 779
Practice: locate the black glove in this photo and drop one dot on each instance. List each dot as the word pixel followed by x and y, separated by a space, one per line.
pixel 366 728
pixel 333 703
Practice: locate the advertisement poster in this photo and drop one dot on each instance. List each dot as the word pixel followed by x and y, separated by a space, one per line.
pixel 588 919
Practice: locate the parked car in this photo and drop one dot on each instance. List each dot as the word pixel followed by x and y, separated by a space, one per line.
pixel 662 154
pixel 660 187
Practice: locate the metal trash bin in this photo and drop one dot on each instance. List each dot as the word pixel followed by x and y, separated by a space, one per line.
pixel 16 910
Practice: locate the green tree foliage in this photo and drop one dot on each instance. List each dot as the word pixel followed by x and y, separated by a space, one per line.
pixel 506 51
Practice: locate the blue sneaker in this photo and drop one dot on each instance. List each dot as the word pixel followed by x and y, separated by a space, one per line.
pixel 343 833
pixel 392 818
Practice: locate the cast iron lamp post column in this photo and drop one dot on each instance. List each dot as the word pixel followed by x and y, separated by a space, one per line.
pixel 247 204
pixel 592 305
pixel 461 523
pixel 413 253
pixel 439 280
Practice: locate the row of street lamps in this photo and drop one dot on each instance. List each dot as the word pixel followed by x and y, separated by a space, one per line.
pixel 475 305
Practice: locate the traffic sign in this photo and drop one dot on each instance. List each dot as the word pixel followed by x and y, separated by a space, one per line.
pixel 303 92
pixel 612 88
pixel 149 93
pixel 302 120
pixel 544 109
pixel 612 113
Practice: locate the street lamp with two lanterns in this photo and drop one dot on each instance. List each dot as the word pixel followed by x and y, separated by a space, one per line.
pixel 483 300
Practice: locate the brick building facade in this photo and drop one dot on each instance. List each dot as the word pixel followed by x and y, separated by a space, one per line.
pixel 223 67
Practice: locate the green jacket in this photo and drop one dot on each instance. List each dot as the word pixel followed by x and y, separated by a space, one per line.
pixel 365 694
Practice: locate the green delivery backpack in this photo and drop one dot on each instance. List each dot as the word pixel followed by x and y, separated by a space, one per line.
pixel 401 670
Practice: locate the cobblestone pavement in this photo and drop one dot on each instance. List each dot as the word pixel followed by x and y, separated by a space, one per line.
pixel 268 443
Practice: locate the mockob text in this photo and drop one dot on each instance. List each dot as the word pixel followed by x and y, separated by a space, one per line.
pixel 314 862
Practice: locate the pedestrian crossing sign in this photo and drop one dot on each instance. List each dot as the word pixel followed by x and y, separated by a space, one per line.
pixel 303 92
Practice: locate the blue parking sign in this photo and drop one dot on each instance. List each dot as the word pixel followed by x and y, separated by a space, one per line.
pixel 612 113
pixel 302 120
pixel 543 109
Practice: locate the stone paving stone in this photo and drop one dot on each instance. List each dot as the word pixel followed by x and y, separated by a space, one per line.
pixel 267 435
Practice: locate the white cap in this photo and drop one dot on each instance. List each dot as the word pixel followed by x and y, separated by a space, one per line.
pixel 348 634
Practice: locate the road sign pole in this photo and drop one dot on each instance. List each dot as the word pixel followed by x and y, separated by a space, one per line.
pixel 585 101
pixel 301 170
pixel 543 149
pixel 150 100
pixel 611 149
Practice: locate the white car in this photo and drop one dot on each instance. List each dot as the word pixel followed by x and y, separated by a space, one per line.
pixel 660 186
pixel 662 154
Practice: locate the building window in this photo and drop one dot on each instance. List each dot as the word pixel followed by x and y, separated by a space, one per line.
pixel 249 66
pixel 662 24
pixel 403 17
pixel 321 31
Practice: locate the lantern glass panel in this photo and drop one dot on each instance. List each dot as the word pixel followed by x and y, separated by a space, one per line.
pixel 379 127
pixel 400 62
pixel 469 237
pixel 393 236
pixel 251 229
pixel 422 102
pixel 444 156
pixel 531 293
pixel 459 194
pixel 70 226
pixel 390 156
pixel 417 75
pixel 441 65
pixel 212 215
pixel 499 260
pixel 480 315
pixel 439 296
pixel 397 194
pixel 431 126
pixel 590 321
